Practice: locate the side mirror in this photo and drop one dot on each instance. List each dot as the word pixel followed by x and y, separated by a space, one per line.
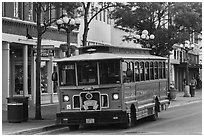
pixel 54 76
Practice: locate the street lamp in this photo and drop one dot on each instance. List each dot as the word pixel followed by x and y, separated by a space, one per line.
pixel 144 36
pixel 68 24
pixel 140 38
pixel 187 47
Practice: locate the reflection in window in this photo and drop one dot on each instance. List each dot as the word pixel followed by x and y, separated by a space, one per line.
pixel 109 72
pixel 67 74
pixel 87 73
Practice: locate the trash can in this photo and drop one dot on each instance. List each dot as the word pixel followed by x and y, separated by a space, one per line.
pixel 192 90
pixel 24 102
pixel 15 112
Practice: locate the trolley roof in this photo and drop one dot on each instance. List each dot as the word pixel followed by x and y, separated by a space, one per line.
pixel 106 56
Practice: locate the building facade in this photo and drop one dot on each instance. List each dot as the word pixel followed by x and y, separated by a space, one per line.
pixel 19 40
pixel 19 49
pixel 185 62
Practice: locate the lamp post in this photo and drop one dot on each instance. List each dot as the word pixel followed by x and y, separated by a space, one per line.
pixel 144 36
pixel 187 47
pixel 68 24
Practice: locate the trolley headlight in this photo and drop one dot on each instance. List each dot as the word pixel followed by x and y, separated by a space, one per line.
pixel 65 98
pixel 115 96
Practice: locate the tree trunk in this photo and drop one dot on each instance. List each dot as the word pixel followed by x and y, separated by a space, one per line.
pixel 38 61
pixel 85 35
pixel 86 24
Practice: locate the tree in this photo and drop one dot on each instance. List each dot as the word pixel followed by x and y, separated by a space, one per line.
pixel 170 22
pixel 95 9
pixel 41 8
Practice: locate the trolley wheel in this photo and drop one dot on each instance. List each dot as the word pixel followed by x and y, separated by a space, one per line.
pixel 73 127
pixel 131 119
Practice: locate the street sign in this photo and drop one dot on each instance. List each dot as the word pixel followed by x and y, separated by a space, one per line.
pixel 46 50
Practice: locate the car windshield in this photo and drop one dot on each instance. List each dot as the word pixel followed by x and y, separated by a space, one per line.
pixel 87 73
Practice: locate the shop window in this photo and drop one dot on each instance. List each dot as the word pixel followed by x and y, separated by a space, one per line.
pixel 44 74
pixel 19 79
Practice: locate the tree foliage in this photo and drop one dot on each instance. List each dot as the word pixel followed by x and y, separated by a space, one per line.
pixel 170 22
pixel 89 11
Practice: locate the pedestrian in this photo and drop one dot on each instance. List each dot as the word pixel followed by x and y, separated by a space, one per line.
pixel 193 86
pixel 184 84
pixel 193 82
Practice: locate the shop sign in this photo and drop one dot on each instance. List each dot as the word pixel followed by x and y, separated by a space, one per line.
pixel 46 50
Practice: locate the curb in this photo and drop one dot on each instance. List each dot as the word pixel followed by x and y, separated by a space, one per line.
pixel 37 130
pixel 186 103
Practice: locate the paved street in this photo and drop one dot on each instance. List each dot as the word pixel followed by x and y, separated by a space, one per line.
pixel 183 120
pixel 49 113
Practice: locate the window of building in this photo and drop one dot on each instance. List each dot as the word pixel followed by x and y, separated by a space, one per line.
pixel 108 18
pixel 16 9
pixel 174 54
pixel 181 56
pixel 104 16
pixel 3 9
pixel 100 16
pixel 178 52
pixel 44 74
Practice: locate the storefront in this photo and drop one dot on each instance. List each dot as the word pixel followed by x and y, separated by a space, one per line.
pixel 19 65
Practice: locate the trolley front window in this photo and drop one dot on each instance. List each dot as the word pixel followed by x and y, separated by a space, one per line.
pixel 109 72
pixel 87 73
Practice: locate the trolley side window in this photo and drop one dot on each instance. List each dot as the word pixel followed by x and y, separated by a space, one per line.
pixel 67 74
pixel 128 73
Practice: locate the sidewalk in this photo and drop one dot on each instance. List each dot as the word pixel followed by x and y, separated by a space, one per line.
pixel 49 114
